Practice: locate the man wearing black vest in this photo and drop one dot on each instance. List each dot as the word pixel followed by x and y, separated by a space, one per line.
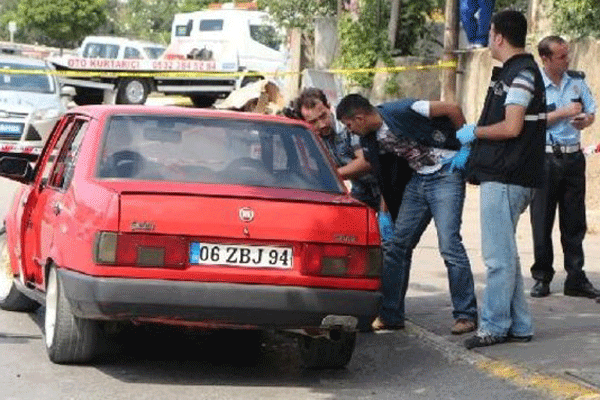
pixel 571 107
pixel 506 160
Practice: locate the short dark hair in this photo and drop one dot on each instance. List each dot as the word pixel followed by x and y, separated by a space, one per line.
pixel 352 104
pixel 512 25
pixel 544 45
pixel 309 98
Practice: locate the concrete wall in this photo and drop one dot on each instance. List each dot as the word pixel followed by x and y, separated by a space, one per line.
pixel 421 84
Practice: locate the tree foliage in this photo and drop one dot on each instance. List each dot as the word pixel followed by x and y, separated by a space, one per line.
pixel 518 5
pixel 61 22
pixel 143 19
pixel 577 17
pixel 297 14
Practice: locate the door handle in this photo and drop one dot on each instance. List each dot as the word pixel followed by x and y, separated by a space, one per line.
pixel 56 207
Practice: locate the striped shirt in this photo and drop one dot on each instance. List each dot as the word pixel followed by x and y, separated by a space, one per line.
pixel 521 90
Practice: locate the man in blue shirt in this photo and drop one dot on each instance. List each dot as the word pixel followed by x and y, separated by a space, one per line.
pixel 571 108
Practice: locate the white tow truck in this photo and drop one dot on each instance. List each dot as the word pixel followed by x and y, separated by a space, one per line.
pixel 212 53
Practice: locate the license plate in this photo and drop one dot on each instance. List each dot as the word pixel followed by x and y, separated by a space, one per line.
pixel 241 255
pixel 11 129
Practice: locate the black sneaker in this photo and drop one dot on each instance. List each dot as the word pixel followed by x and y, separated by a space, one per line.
pixel 540 289
pixel 584 290
pixel 519 339
pixel 483 341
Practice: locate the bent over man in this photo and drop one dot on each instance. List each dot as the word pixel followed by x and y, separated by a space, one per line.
pixel 424 134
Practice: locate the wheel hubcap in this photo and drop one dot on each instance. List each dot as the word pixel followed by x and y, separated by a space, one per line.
pixel 51 306
pixel 135 92
pixel 6 274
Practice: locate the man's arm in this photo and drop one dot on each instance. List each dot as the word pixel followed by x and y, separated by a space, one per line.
pixel 587 117
pixel 509 128
pixel 447 109
pixel 564 112
pixel 355 168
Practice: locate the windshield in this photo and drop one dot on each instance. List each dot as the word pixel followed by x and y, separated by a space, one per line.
pixel 222 151
pixel 34 82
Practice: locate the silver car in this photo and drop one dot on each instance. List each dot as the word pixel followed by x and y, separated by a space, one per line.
pixel 30 103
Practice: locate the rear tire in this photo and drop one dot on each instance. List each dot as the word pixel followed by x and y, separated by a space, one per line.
pixel 321 353
pixel 11 299
pixel 203 101
pixel 133 91
pixel 68 339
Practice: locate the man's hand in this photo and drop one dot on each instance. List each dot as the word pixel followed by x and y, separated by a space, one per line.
pixel 466 134
pixel 573 109
pixel 581 121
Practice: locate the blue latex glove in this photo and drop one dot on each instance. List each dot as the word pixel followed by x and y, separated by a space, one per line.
pixel 386 226
pixel 458 162
pixel 466 134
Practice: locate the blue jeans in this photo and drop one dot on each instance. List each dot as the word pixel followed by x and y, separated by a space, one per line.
pixel 477 30
pixel 439 196
pixel 505 309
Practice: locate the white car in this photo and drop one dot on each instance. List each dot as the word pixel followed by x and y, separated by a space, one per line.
pixel 119 48
pixel 30 103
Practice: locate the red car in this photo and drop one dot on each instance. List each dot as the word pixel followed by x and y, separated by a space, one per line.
pixel 187 216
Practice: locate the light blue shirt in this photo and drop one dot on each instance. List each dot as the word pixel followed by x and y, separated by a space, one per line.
pixel 563 132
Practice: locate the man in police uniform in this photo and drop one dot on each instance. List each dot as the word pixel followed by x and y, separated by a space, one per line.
pixel 571 108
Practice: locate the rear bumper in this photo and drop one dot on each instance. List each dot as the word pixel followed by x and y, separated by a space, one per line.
pixel 220 304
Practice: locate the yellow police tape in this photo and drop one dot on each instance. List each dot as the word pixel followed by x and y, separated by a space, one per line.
pixel 200 74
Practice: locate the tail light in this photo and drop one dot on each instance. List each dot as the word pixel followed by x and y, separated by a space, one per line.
pixel 140 250
pixel 373 238
pixel 345 261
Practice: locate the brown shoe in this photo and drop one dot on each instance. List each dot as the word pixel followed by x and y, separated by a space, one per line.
pixel 463 326
pixel 381 325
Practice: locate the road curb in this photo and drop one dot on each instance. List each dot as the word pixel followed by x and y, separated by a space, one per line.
pixel 559 387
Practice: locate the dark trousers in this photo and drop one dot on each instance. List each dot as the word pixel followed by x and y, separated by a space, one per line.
pixel 564 188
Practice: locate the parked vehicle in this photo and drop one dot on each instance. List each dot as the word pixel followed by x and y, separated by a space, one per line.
pixel 30 104
pixel 205 47
pixel 119 48
pixel 201 218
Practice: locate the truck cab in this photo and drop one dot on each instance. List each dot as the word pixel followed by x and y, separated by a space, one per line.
pixel 246 39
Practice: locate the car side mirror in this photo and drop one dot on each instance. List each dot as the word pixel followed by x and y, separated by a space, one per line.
pixel 16 168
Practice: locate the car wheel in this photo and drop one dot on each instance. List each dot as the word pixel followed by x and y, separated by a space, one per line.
pixel 203 101
pixel 321 352
pixel 132 91
pixel 11 299
pixel 68 339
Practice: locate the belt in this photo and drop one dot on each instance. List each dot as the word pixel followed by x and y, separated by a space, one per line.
pixel 573 148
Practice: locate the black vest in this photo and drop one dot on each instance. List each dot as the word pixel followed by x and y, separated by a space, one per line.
pixel 519 160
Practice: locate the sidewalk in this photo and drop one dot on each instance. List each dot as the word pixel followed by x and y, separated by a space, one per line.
pixel 567 329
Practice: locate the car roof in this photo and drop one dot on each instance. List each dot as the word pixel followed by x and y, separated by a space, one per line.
pixel 121 40
pixel 106 110
pixel 23 60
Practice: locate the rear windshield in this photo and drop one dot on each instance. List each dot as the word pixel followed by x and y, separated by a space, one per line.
pixel 28 82
pixel 221 151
